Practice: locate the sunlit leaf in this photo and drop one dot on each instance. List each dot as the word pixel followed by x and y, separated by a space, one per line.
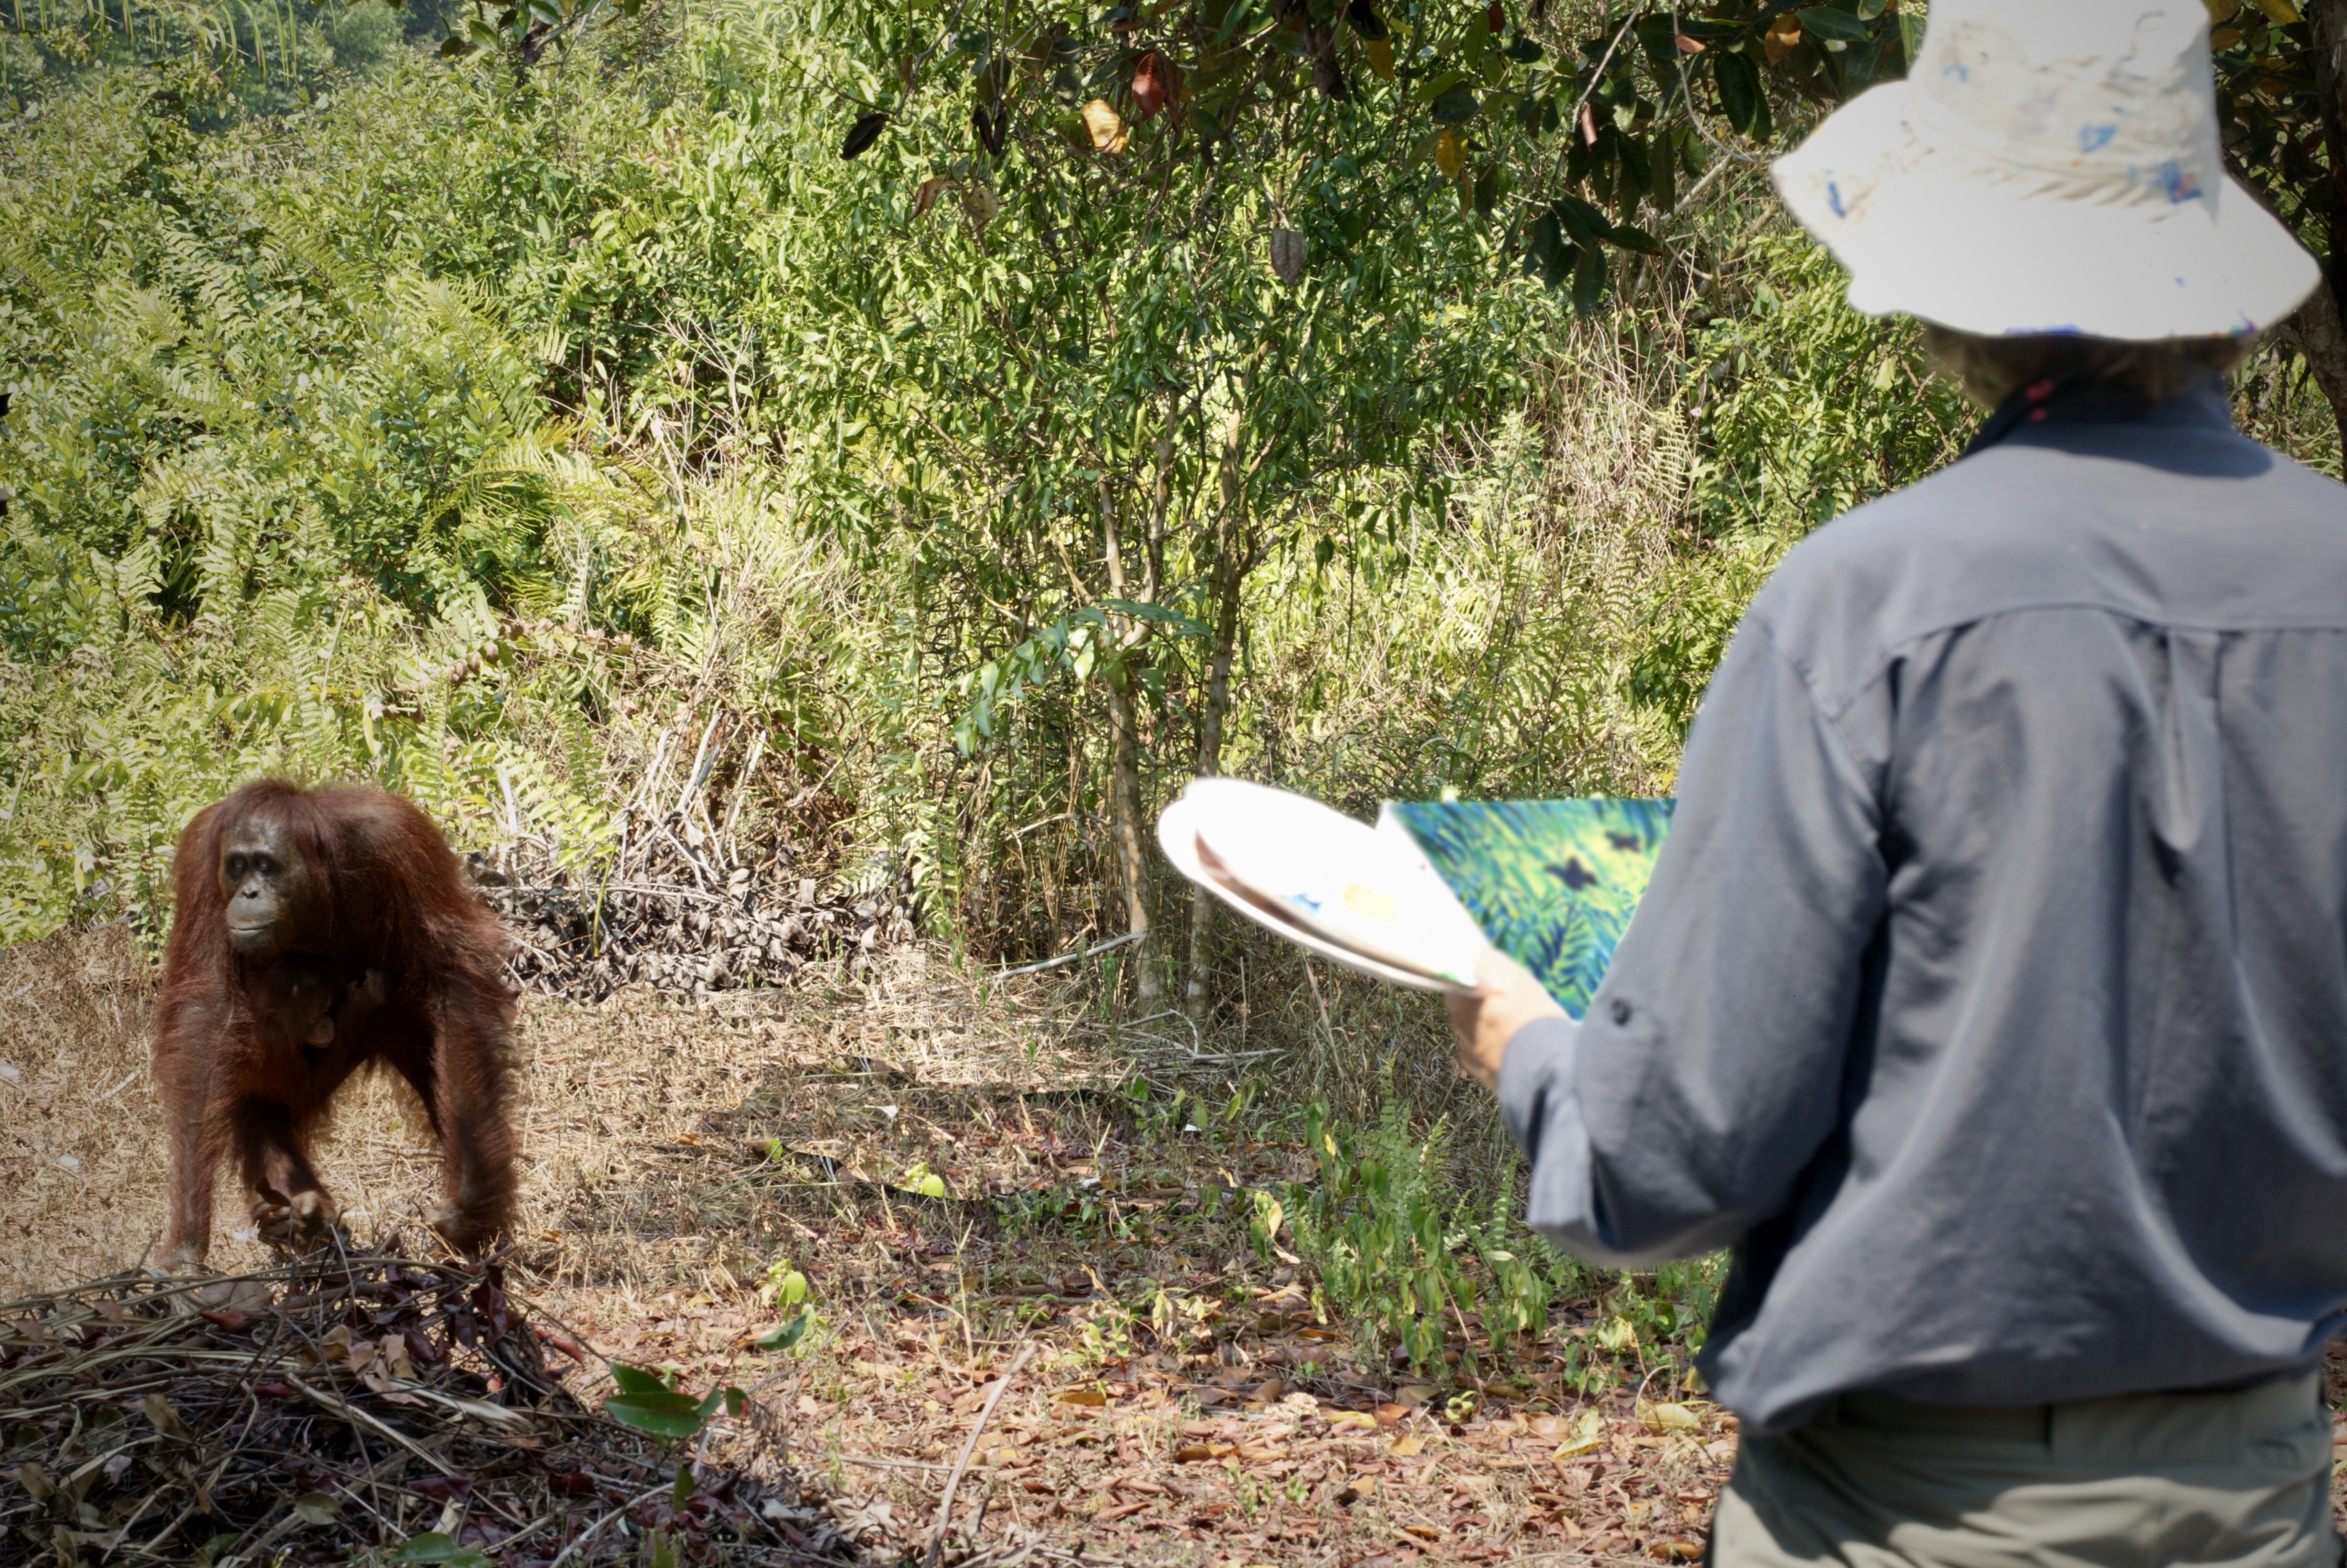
pixel 1450 152
pixel 1104 126
pixel 663 1415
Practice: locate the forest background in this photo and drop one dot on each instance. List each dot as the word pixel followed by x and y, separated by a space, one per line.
pixel 503 407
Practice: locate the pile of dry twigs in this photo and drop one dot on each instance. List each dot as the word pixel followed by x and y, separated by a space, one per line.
pixel 349 1409
pixel 691 897
pixel 677 924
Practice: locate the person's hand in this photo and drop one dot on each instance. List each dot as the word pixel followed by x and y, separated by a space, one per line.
pixel 1487 1019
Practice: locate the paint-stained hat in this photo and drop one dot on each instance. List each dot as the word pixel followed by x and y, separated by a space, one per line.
pixel 2048 165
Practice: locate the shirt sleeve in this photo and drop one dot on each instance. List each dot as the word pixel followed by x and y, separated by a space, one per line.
pixel 1683 1110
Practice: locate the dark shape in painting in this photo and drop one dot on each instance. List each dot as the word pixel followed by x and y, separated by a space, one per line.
pixel 1553 883
pixel 318 932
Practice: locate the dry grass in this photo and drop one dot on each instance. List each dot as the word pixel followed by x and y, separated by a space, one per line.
pixel 677 1147
pixel 614 1093
pixel 1187 1401
pixel 81 1169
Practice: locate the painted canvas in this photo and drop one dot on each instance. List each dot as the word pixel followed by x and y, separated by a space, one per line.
pixel 1551 882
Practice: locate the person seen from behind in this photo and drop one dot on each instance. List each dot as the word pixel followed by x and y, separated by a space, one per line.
pixel 1990 996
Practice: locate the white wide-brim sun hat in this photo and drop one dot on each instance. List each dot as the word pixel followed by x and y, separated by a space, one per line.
pixel 2048 167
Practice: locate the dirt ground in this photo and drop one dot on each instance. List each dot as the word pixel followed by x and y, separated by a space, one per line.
pixel 961 1176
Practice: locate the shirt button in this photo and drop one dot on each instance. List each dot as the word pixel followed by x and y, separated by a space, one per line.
pixel 1620 1010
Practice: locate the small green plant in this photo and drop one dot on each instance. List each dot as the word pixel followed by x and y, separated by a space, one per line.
pixel 785 1286
pixel 1386 1244
pixel 650 1402
pixel 432 1546
pixel 785 1336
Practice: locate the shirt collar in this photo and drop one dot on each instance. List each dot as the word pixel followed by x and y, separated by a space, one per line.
pixel 2201 406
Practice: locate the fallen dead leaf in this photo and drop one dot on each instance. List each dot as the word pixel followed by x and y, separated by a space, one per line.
pixel 1661 1417
pixel 1407 1446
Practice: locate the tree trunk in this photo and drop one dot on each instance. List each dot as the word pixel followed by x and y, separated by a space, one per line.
pixel 2317 331
pixel 1210 762
pixel 1231 566
pixel 1124 764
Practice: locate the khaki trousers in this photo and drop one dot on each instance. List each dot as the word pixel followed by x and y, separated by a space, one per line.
pixel 2141 1481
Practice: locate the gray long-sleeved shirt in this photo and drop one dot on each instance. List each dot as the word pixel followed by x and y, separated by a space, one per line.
pixel 1990 996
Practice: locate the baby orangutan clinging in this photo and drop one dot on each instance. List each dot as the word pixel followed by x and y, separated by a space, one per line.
pixel 318 931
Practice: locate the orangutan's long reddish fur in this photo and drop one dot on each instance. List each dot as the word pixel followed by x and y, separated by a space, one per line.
pixel 395 902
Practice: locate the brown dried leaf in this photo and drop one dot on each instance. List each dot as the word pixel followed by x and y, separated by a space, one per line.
pixel 166 1419
pixel 1156 81
pixel 1104 126
pixel 931 189
pixel 1286 254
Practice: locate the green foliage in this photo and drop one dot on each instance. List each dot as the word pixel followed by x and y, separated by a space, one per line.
pixel 2269 112
pixel 1556 127
pixel 650 1402
pixel 1804 409
pixel 1808 408
pixel 1406 1255
pixel 433 1546
pixel 1397 1255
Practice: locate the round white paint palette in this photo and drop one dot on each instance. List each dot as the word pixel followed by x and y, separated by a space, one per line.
pixel 1363 894
pixel 1177 836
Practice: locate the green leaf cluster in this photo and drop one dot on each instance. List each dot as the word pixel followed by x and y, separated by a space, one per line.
pixel 650 1402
